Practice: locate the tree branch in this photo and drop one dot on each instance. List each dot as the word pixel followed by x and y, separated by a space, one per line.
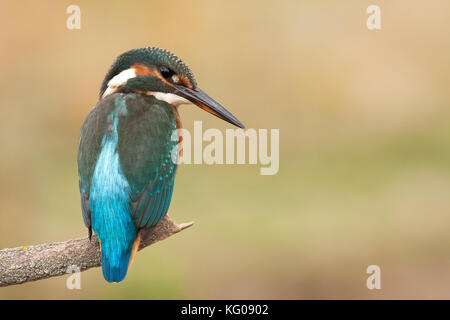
pixel 24 264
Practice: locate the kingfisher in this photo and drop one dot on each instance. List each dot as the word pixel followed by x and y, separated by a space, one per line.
pixel 129 148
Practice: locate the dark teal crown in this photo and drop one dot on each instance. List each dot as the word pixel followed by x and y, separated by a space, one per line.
pixel 149 56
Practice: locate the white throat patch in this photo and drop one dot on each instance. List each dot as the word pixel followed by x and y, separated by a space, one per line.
pixel 170 98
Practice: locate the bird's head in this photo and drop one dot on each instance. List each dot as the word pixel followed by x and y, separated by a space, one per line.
pixel 158 72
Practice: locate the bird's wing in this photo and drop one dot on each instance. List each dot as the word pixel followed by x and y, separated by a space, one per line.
pixel 89 148
pixel 152 204
pixel 145 150
pixel 144 147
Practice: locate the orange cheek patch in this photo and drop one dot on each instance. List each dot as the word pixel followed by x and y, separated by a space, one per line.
pixel 185 81
pixel 142 71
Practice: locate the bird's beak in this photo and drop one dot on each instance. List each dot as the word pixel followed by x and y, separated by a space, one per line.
pixel 198 97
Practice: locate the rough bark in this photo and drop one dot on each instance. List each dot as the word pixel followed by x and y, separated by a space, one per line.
pixel 31 263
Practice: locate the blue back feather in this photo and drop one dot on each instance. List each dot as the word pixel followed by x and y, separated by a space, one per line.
pixel 109 200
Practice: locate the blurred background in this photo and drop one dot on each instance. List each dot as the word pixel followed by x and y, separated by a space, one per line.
pixel 364 123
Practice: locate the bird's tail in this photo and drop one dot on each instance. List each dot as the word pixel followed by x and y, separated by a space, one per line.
pixel 117 259
pixel 115 262
pixel 115 228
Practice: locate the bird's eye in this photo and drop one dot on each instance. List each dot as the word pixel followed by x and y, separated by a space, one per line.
pixel 166 72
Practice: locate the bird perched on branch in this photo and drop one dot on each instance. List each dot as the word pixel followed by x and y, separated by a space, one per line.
pixel 125 163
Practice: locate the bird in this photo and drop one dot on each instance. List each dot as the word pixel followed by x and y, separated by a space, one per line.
pixel 125 160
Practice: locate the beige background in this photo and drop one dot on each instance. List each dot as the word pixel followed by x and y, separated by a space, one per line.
pixel 364 153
